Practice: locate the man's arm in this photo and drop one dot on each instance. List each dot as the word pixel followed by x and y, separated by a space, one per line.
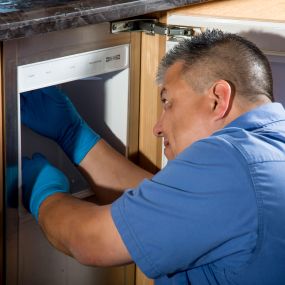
pixel 110 173
pixel 76 227
pixel 82 230
pixel 108 170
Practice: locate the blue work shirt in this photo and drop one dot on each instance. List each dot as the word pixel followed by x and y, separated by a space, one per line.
pixel 216 213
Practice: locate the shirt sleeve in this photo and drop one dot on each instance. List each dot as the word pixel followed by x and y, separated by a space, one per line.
pixel 200 208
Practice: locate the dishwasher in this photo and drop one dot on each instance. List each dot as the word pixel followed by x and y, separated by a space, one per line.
pixel 92 67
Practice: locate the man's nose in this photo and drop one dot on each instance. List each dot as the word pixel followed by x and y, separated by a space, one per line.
pixel 157 129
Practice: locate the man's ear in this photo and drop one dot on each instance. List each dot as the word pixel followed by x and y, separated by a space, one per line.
pixel 221 98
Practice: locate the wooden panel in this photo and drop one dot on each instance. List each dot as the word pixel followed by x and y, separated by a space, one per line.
pixel 141 279
pixel 133 120
pixel 153 48
pixel 273 10
pixel 1 173
pixel 150 148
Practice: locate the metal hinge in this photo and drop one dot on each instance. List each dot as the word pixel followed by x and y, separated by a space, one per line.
pixel 152 26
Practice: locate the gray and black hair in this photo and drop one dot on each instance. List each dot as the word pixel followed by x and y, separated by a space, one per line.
pixel 214 55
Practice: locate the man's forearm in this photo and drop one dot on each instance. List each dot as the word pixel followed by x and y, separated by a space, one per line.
pixel 82 230
pixel 110 172
pixel 55 224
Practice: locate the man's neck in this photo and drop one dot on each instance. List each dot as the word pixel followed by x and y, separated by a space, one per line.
pixel 241 106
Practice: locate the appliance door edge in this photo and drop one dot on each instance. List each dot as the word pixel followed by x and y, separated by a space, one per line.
pixel 11 162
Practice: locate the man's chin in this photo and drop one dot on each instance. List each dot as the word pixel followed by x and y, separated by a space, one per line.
pixel 168 153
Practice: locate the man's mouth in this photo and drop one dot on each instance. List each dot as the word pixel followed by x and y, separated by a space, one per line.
pixel 166 143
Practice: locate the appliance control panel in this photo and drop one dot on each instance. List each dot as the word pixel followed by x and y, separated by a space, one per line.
pixel 78 66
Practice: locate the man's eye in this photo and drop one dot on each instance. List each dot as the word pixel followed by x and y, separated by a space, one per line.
pixel 166 104
pixel 164 101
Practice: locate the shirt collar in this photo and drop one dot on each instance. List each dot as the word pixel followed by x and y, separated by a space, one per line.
pixel 259 117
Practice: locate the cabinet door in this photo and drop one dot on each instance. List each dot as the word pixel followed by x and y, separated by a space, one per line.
pixel 153 48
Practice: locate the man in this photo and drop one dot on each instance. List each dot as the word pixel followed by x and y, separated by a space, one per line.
pixel 216 213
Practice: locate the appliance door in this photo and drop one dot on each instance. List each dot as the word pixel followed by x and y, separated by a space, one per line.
pixel 94 72
pixel 99 91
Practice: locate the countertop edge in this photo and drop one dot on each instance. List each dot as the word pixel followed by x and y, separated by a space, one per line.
pixel 39 21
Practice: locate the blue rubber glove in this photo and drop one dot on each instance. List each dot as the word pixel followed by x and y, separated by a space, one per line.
pixel 49 112
pixel 40 180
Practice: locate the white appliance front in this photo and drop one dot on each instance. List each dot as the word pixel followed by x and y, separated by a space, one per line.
pixel 97 83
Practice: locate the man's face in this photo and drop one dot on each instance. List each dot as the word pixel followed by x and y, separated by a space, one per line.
pixel 186 115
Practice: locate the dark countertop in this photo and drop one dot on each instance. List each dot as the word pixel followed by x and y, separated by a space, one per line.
pixel 23 18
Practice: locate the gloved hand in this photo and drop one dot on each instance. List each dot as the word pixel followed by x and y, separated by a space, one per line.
pixel 40 180
pixel 49 112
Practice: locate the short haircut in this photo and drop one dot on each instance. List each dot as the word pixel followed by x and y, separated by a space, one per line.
pixel 214 55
